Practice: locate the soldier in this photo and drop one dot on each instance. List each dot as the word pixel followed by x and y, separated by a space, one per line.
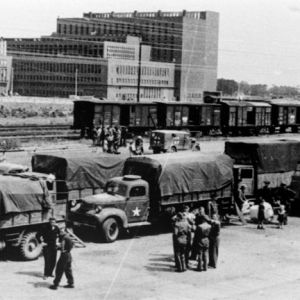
pixel 49 237
pixel 202 242
pixel 181 240
pixel 213 206
pixel 214 241
pixel 64 264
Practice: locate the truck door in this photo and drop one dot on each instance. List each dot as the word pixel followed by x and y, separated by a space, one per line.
pixel 137 204
pixel 245 175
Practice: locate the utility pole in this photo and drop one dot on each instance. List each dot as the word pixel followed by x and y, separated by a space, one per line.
pixel 12 81
pixel 139 72
pixel 76 78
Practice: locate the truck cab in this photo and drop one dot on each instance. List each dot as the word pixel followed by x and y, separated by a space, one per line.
pixel 244 175
pixel 124 203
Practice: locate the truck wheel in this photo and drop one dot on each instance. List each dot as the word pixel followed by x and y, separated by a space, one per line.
pixel 30 248
pixel 111 230
pixel 173 149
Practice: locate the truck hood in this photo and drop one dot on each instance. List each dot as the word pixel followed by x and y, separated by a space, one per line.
pixel 103 199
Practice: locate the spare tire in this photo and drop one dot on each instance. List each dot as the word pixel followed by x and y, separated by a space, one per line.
pixel 30 248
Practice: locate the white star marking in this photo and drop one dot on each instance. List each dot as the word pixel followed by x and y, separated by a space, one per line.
pixel 136 212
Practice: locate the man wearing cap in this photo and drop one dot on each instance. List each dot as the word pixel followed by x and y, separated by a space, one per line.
pixel 64 264
pixel 181 240
pixel 48 236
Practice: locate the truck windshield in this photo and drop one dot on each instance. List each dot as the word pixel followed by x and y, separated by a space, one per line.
pixel 116 188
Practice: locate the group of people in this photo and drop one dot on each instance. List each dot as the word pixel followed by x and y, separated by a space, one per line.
pixel 279 199
pixel 110 138
pixel 53 238
pixel 196 236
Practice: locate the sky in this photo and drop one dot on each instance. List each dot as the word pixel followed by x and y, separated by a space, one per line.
pixel 258 39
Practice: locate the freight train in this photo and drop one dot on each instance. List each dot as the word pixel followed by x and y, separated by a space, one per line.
pixel 216 116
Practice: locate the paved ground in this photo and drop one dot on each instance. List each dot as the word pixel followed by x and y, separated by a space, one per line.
pixel 253 264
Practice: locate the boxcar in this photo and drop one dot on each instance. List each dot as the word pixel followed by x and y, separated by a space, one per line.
pixel 92 113
pixel 245 117
pixel 201 117
pixel 285 114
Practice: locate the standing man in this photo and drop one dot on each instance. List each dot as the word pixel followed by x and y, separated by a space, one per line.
pixel 48 236
pixel 64 264
pixel 181 240
pixel 261 213
pixel 214 241
pixel 286 197
pixel 202 242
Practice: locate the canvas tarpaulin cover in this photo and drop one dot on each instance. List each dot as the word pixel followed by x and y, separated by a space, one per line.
pixel 267 156
pixel 79 171
pixel 22 195
pixel 182 172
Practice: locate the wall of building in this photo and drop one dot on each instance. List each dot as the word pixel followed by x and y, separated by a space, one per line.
pixel 199 56
pixel 56 77
pixel 156 80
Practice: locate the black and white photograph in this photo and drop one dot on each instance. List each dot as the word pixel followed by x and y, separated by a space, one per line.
pixel 150 150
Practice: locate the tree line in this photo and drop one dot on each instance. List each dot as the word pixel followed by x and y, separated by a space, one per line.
pixel 230 87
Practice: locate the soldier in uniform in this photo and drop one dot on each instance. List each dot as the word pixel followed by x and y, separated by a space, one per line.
pixel 261 213
pixel 202 242
pixel 48 236
pixel 181 240
pixel 214 241
pixel 64 264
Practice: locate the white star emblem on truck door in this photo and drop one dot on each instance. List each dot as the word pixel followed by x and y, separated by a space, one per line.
pixel 136 212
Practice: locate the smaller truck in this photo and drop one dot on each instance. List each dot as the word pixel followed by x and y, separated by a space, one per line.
pixel 172 141
pixel 152 188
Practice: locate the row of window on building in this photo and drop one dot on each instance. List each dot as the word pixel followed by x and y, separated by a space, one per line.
pixel 143 81
pixel 149 71
pixel 57 67
pixel 113 27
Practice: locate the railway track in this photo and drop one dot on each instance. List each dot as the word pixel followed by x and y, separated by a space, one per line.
pixel 24 133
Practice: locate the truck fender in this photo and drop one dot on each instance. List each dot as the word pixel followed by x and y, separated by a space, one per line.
pixel 112 212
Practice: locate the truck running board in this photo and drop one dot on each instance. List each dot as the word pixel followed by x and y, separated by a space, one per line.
pixel 78 243
pixel 145 223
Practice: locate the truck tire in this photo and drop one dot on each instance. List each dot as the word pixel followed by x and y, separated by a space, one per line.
pixel 30 248
pixel 110 229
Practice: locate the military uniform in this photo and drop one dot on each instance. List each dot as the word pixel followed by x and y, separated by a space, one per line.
pixel 202 243
pixel 64 264
pixel 214 242
pixel 49 235
pixel 181 240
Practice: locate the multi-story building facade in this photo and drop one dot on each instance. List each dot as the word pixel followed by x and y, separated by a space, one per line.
pixel 114 79
pixel 5 69
pixel 188 39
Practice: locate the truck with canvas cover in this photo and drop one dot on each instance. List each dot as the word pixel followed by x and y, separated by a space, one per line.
pixel 78 175
pixel 27 201
pixel 151 187
pixel 259 161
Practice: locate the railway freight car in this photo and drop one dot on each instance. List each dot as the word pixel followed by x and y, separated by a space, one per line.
pixel 89 113
pixel 245 117
pixel 285 115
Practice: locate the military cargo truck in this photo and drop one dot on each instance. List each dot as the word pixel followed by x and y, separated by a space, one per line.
pixel 153 186
pixel 257 161
pixel 27 201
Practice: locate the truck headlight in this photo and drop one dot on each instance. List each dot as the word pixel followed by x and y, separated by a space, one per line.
pixel 98 209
